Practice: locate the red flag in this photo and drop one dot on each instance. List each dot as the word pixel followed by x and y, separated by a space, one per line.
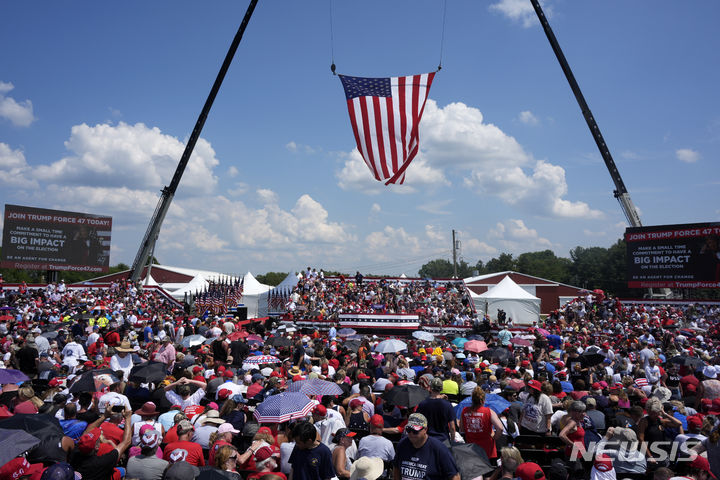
pixel 385 115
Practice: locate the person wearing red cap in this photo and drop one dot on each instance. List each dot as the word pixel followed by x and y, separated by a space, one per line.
pixel 711 445
pixel 536 412
pixel 375 445
pixel 698 469
pixel 90 462
pixel 529 471
pixel 184 449
pixel 687 440
pixel 19 468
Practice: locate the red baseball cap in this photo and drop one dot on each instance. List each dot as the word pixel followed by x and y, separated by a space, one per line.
pixel 362 376
pixel 228 374
pixel 525 363
pixel 197 369
pixel 701 463
pixel 694 421
pixel 377 421
pixel 320 410
pixel 87 442
pixel 603 463
pixel 530 471
pixel 19 467
pixel 224 394
pixel 535 384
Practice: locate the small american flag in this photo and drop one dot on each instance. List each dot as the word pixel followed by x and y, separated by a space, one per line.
pixel 385 115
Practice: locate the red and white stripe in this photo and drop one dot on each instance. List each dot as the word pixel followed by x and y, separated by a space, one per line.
pixel 386 128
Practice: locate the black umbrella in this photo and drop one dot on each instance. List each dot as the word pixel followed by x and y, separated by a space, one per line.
pixel 45 427
pixel 86 382
pixel 352 345
pixel 49 335
pixel 14 443
pixel 279 342
pixel 406 395
pixel 499 354
pixel 592 357
pixel 692 362
pixel 472 461
pixel 148 372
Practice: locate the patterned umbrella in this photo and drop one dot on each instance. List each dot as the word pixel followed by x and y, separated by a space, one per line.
pixel 520 341
pixel 316 386
pixel 284 407
pixel 255 339
pixel 476 346
pixel 262 359
pixel 237 335
pixel 542 332
pixel 391 346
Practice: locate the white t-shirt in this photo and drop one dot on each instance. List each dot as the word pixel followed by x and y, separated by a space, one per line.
pixel 533 417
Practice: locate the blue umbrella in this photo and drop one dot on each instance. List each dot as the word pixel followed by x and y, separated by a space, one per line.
pixel 460 341
pixel 316 386
pixel 495 402
pixel 284 407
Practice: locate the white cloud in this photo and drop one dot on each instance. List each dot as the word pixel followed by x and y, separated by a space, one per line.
pixel 20 114
pixel 590 233
pixel 355 175
pixel 267 196
pixel 131 156
pixel 375 208
pixel 14 170
pixel 476 248
pixel 297 147
pixel 520 11
pixel 436 237
pixel 232 171
pixel 386 244
pixel 515 236
pixel 528 118
pixel 291 146
pixel 687 155
pixel 456 138
pixel 436 207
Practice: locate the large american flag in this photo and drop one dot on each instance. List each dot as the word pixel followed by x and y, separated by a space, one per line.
pixel 385 115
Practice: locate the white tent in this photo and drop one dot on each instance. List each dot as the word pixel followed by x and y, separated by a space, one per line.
pixel 284 288
pixel 252 291
pixel 518 304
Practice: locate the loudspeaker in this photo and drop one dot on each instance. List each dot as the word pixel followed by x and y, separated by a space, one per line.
pixel 241 313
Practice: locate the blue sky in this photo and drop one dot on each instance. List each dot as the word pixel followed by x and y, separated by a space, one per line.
pixel 96 100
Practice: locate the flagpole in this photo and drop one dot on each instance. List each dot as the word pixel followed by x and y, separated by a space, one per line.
pixel 168 192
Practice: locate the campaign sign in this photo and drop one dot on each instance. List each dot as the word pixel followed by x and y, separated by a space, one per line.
pixel 674 256
pixel 42 239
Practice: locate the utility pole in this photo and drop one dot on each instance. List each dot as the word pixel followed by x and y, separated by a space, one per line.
pixel 454 255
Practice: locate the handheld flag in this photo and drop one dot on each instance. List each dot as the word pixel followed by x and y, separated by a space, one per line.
pixel 385 115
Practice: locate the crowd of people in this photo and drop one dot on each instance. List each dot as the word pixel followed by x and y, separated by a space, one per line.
pixel 435 303
pixel 121 383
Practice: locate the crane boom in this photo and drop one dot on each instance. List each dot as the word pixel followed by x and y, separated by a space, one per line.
pixel 168 192
pixel 620 192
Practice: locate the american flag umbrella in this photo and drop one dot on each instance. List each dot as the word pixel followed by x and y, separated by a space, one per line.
pixel 520 342
pixel 316 386
pixel 255 339
pixel 262 359
pixel 284 407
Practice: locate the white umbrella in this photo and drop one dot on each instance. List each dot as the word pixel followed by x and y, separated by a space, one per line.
pixel 390 346
pixel 423 335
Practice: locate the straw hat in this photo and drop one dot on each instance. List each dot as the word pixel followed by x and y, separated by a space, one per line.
pixel 125 347
pixel 369 468
pixel 213 416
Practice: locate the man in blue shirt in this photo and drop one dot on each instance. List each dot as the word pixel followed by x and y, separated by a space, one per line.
pixel 420 456
pixel 310 459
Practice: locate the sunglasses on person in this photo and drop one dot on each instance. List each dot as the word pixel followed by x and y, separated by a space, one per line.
pixel 412 430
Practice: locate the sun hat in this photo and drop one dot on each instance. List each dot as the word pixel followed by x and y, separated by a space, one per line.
pixel 148 410
pixel 213 416
pixel 710 371
pixel 368 468
pixel 125 347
